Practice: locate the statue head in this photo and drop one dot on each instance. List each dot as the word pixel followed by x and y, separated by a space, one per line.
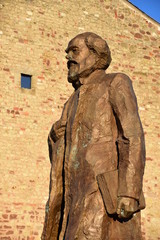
pixel 86 53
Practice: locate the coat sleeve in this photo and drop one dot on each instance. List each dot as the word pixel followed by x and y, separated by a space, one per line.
pixel 57 132
pixel 131 148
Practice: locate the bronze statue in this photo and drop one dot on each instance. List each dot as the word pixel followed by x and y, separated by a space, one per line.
pixel 97 152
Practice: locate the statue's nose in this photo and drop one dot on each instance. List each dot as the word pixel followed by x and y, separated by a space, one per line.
pixel 68 57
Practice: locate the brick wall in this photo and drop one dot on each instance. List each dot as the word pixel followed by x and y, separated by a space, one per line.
pixel 34 34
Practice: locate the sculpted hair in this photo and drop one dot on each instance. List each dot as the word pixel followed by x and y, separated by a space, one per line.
pixel 98 45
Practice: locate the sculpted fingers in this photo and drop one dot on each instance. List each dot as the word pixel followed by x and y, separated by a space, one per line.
pixel 126 207
pixel 57 131
pixel 123 213
pixel 120 209
pixel 61 131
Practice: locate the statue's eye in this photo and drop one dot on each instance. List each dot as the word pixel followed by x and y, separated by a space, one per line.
pixel 75 50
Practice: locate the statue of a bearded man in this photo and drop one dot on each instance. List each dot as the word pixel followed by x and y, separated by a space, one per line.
pixel 96 151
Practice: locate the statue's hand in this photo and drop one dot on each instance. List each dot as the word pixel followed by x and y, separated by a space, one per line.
pixel 126 207
pixel 57 131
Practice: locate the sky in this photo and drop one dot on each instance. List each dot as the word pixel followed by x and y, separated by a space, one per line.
pixel 150 7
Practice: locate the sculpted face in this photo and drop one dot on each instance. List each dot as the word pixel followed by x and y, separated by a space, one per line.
pixel 81 60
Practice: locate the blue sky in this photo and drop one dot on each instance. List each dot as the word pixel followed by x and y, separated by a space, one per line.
pixel 150 7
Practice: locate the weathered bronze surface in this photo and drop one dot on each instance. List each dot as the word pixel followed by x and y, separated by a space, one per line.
pixel 97 152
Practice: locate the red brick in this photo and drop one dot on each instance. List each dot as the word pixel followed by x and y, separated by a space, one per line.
pixel 10 232
pixel 142 32
pixel 18 204
pixel 147 57
pixel 138 35
pixel 6 69
pixel 13 216
pixel 41 12
pixel 40 77
pixel 5 216
pixel 25 41
pixel 26 113
pixel 121 16
pixel 148 33
pixel 150 25
pixel 5 238
pixel 135 25
pixel 20 227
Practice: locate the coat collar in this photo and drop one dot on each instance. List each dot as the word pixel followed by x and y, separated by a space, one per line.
pixel 94 77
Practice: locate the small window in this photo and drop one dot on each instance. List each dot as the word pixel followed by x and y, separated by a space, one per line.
pixel 25 81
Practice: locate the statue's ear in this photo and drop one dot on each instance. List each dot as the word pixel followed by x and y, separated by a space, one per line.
pixel 96 44
pixel 99 46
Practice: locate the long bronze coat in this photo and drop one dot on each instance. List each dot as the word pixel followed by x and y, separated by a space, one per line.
pixel 99 131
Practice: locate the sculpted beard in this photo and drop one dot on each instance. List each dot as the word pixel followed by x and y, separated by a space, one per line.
pixel 82 69
pixel 73 71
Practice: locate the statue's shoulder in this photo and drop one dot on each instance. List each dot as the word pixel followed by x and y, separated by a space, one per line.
pixel 115 79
